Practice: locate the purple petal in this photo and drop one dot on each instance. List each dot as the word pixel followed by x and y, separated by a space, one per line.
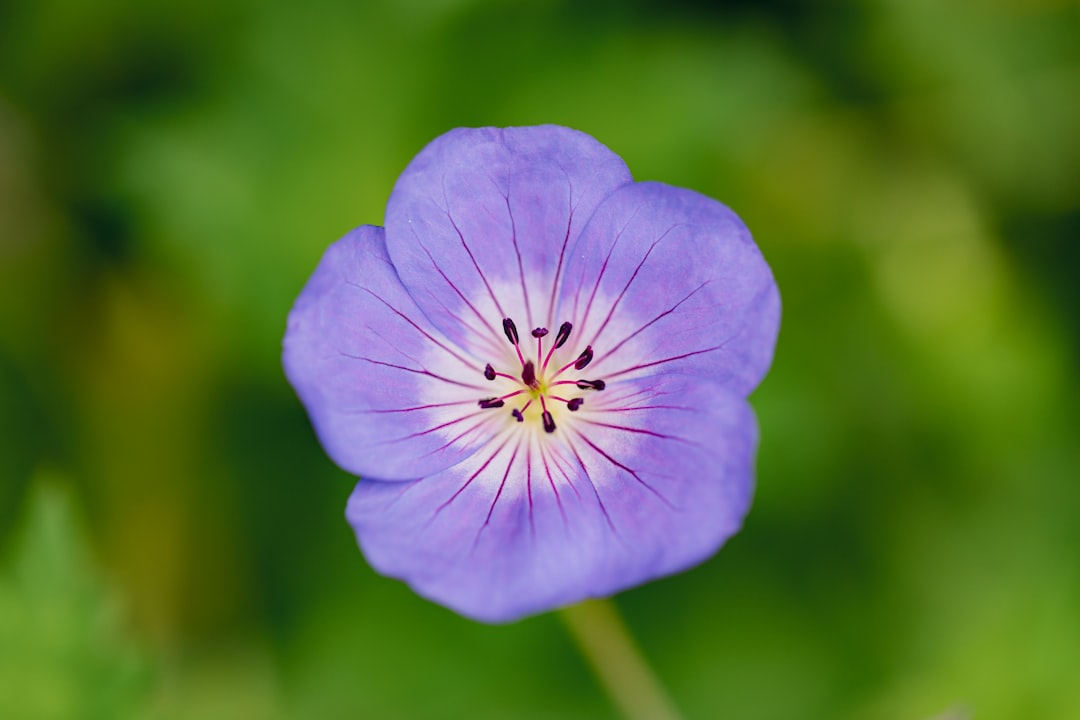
pixel 666 280
pixel 387 394
pixel 650 481
pixel 479 223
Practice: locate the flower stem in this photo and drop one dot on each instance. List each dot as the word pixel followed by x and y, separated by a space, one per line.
pixel 605 641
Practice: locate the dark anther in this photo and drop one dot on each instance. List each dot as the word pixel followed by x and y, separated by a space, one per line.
pixel 517 415
pixel 528 374
pixel 539 332
pixel 574 403
pixel 563 335
pixel 549 422
pixel 489 372
pixel 511 331
pixel 584 358
pixel 488 403
pixel 591 384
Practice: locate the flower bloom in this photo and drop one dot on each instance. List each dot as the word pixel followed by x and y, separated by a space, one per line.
pixel 539 369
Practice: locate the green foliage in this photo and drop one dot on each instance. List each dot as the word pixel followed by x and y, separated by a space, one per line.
pixel 170 173
pixel 63 653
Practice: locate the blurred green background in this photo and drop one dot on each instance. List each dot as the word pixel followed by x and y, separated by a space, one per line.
pixel 172 541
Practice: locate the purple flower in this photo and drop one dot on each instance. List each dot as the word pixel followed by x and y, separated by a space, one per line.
pixel 540 370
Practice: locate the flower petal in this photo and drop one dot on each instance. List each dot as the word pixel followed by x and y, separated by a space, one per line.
pixel 479 223
pixel 665 279
pixel 651 484
pixel 387 394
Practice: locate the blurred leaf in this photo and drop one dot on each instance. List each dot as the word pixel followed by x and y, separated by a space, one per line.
pixel 62 654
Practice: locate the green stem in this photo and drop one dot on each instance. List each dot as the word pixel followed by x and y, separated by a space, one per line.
pixel 605 641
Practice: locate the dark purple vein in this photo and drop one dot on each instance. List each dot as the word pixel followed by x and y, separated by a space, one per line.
pixel 651 407
pixel 558 461
pixel 528 490
pixel 623 467
pixel 494 346
pixel 611 351
pixel 642 366
pixel 426 372
pixel 473 428
pixel 555 490
pixel 468 251
pixel 502 484
pixel 604 265
pixel 626 428
pixel 419 329
pixel 517 251
pixel 562 250
pixel 452 285
pixel 471 478
pixel 441 426
pixel 596 490
pixel 389 411
pixel 633 276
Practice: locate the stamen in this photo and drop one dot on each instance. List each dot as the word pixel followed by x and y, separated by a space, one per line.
pixel 511 331
pixel 531 376
pixel 560 339
pixel 584 358
pixel 563 335
pixel 539 334
pixel 549 422
pixel 528 375
pixel 545 417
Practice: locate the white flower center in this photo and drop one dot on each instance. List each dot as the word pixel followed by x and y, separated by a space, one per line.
pixel 538 390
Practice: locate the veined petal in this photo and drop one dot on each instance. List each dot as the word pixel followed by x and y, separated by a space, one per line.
pixel 388 395
pixel 480 223
pixel 649 483
pixel 664 279
pixel 560 356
